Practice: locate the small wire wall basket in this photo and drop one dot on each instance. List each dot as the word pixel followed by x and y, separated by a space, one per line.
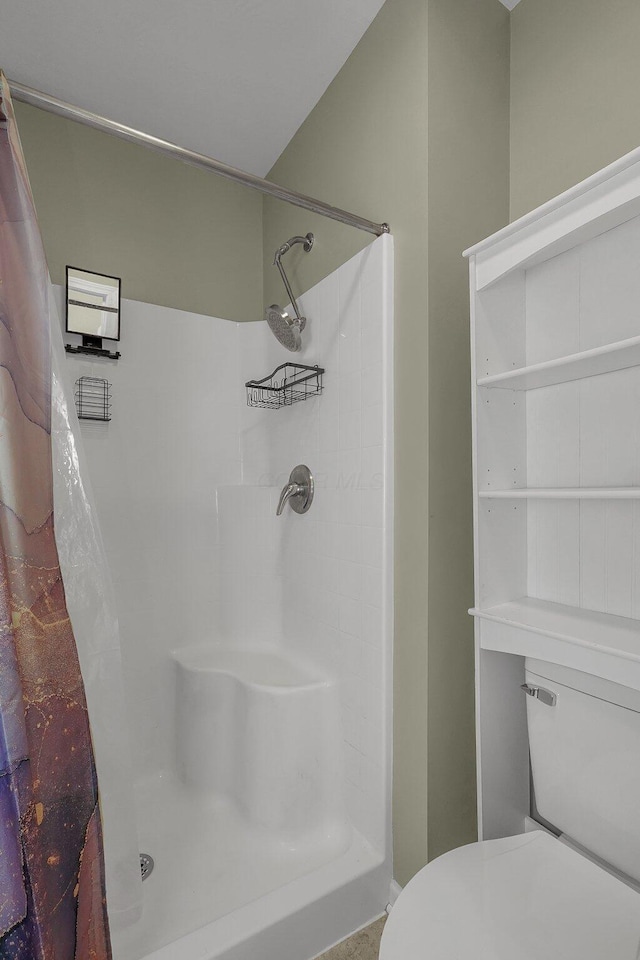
pixel 93 398
pixel 289 383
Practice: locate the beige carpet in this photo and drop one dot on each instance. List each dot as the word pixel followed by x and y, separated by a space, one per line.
pixel 361 946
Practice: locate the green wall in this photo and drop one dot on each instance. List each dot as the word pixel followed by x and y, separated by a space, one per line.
pixel 414 130
pixel 177 236
pixel 575 93
pixel 468 200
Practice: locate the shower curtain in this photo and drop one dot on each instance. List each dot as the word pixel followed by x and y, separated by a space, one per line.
pixel 91 605
pixel 52 899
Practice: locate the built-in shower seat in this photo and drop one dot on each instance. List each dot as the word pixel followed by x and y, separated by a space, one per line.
pixel 261 729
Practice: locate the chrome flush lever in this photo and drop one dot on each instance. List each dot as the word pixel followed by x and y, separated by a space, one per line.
pixel 539 693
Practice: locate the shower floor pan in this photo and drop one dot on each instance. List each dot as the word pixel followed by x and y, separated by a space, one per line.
pixel 254 856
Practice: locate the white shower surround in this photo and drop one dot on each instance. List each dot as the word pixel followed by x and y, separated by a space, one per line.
pixel 333 566
pixel 186 479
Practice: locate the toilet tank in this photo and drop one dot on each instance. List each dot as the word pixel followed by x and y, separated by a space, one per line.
pixel 585 761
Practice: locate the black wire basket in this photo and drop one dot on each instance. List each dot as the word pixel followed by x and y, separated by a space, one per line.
pixel 289 383
pixel 93 398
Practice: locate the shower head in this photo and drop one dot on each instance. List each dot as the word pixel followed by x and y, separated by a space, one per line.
pixel 286 329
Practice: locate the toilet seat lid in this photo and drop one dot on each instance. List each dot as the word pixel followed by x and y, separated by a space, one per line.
pixel 528 897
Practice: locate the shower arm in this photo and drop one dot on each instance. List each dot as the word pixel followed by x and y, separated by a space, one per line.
pixel 307 243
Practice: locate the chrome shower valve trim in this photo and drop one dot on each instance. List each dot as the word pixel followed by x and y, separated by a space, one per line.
pixel 298 492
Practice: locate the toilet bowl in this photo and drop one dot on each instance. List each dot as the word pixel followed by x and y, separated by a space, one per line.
pixel 532 896
pixel 528 897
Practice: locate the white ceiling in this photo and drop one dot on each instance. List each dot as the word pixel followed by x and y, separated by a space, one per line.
pixel 233 79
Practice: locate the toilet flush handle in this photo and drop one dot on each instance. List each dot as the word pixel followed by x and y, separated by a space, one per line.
pixel 539 693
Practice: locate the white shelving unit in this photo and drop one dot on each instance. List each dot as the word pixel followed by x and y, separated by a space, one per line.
pixel 555 318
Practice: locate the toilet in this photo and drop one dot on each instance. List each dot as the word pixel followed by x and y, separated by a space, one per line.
pixel 568 888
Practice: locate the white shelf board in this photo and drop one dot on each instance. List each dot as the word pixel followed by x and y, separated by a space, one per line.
pixel 562 493
pixel 596 643
pixel 576 366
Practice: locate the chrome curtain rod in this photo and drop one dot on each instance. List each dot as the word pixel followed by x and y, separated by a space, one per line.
pixel 46 102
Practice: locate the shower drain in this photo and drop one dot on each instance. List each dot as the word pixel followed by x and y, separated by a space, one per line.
pixel 146 865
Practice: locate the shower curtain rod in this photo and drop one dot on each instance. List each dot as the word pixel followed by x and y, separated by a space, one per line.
pixel 46 102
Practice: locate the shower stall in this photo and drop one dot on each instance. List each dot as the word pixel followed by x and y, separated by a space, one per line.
pixel 256 648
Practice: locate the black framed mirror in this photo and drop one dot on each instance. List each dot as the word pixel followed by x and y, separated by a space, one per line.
pixel 92 306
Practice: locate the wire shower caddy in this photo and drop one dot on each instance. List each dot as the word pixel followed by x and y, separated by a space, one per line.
pixel 93 398
pixel 289 383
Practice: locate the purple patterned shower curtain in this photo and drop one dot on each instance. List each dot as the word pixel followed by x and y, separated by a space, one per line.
pixel 52 900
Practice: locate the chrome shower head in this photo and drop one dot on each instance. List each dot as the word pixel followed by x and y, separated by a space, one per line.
pixel 286 329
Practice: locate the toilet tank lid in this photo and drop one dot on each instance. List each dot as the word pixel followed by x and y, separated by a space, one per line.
pixel 587 683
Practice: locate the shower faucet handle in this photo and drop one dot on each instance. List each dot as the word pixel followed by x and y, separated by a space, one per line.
pixel 288 491
pixel 298 491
